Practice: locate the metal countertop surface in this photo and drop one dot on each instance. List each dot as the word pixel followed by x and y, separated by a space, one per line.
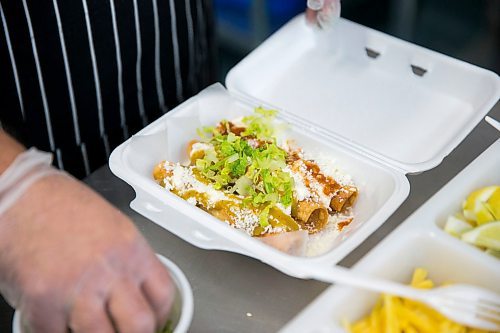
pixel 234 293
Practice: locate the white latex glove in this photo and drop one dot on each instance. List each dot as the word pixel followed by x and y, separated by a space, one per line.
pixel 322 12
pixel 68 259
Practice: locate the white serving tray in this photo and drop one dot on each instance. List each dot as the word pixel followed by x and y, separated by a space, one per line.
pixel 378 158
pixel 417 242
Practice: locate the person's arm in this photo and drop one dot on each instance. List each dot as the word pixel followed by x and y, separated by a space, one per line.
pixel 68 259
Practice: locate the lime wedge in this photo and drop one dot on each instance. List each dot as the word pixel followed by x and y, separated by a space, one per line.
pixel 456 226
pixel 487 235
pixel 477 207
pixel 493 204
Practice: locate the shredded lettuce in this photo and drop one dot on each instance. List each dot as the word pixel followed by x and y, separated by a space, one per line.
pixel 256 173
pixel 206 133
pixel 264 216
pixel 260 124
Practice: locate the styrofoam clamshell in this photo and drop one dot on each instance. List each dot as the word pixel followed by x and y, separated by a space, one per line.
pixel 382 189
pixel 333 121
pixel 417 242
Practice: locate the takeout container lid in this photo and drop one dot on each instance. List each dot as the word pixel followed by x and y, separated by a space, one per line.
pixel 407 106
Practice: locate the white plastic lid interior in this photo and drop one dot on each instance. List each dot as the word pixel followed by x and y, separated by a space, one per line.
pixel 405 104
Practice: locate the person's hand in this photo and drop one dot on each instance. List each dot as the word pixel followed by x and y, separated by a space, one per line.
pixel 68 259
pixel 322 12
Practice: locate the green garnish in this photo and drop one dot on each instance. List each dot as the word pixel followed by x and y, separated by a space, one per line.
pixel 260 124
pixel 255 172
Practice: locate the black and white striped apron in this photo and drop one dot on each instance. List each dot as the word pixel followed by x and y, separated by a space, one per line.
pixel 78 77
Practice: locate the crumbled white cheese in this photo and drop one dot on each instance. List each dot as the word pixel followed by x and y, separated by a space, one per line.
pixel 286 210
pixel 167 183
pixel 192 201
pixel 279 230
pixel 320 196
pixel 200 146
pixel 244 219
pixel 301 192
pixel 268 228
pixel 183 180
pixel 329 167
pixel 168 166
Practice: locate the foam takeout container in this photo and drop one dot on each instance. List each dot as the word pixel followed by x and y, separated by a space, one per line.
pixel 379 117
pixel 420 241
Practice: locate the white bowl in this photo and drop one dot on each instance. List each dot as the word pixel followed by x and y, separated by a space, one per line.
pixel 182 309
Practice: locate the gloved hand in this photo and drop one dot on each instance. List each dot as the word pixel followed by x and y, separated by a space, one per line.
pixel 322 12
pixel 68 259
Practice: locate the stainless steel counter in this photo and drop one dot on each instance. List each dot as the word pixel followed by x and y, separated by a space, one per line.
pixel 234 293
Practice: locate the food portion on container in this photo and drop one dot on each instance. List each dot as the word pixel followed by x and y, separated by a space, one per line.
pixel 249 173
pixel 364 188
pixel 400 315
pixel 420 252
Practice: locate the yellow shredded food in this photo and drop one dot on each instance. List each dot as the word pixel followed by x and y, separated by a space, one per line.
pixel 393 314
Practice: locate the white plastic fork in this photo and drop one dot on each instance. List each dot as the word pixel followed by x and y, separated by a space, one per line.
pixel 492 122
pixel 465 304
